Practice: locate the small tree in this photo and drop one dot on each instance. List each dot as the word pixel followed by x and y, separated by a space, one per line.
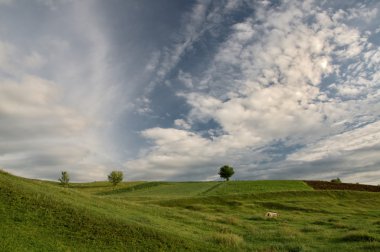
pixel 226 172
pixel 337 180
pixel 115 177
pixel 64 179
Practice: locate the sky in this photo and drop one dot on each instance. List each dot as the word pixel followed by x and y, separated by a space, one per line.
pixel 174 89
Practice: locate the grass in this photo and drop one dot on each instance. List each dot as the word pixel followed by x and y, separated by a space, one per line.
pixel 359 237
pixel 162 189
pixel 192 216
pixel 239 187
pixel 227 240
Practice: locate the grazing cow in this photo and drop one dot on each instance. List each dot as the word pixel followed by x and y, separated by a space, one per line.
pixel 271 215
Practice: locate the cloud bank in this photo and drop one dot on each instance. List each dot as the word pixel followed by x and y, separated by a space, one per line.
pixel 54 95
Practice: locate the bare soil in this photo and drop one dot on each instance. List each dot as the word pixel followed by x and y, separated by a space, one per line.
pixel 324 185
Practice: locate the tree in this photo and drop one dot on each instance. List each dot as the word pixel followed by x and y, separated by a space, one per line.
pixel 64 179
pixel 226 172
pixel 337 180
pixel 115 177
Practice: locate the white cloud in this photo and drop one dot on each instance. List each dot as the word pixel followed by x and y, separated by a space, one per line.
pixel 176 151
pixel 192 30
pixel 54 4
pixel 199 20
pixel 58 97
pixel 182 124
pixel 292 74
pixel 261 113
pixel 361 138
pixel 35 60
pixel 6 51
pixel 186 79
pixel 6 2
pixel 153 62
pixel 267 83
pixel 38 133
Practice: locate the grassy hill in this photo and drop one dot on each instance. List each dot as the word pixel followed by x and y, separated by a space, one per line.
pixel 194 216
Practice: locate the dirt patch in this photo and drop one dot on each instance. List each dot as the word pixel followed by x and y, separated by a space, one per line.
pixel 324 185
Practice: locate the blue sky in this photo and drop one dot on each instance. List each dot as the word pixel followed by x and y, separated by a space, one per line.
pixel 172 90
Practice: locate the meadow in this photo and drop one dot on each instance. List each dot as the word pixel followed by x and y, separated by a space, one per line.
pixel 185 216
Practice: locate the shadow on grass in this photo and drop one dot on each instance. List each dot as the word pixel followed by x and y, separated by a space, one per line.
pixel 211 188
pixel 134 188
pixel 87 186
pixel 358 237
pixel 281 206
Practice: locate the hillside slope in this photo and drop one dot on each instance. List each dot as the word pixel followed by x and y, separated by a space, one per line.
pixel 165 190
pixel 39 216
pixel 194 216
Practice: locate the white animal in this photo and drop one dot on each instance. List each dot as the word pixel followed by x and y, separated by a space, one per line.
pixel 271 215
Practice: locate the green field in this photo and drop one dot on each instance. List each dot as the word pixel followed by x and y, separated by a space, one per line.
pixel 177 216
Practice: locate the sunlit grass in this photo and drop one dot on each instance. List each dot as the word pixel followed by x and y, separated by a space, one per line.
pixel 195 216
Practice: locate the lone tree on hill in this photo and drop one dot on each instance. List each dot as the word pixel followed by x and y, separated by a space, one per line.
pixel 115 177
pixel 226 172
pixel 64 179
pixel 337 180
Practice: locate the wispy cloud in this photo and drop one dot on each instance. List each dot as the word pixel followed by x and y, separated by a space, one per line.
pixel 361 138
pixel 289 73
pixel 278 89
pixel 202 18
